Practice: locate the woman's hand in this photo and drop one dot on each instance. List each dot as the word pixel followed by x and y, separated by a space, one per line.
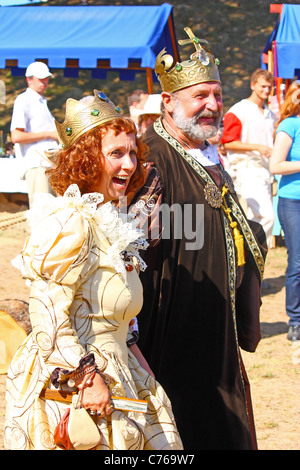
pixel 96 397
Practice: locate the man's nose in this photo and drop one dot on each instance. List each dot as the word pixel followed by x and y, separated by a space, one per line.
pixel 212 103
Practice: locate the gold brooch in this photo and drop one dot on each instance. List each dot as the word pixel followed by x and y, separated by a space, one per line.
pixel 213 195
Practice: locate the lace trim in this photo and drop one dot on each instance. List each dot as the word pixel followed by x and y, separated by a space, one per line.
pixel 121 230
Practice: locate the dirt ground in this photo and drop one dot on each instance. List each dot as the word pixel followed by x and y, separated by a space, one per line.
pixel 273 370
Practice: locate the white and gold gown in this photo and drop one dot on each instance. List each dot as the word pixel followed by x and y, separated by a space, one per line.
pixel 81 301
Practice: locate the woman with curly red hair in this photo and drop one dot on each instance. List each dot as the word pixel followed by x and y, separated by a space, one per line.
pixel 85 162
pixel 82 259
pixel 285 161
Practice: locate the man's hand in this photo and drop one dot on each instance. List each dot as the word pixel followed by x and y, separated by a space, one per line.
pixel 264 150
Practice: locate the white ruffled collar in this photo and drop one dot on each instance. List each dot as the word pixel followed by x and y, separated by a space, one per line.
pixel 121 230
pixel 207 157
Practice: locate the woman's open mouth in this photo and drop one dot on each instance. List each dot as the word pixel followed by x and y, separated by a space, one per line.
pixel 121 181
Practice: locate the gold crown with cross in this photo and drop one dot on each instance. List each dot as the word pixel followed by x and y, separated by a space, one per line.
pixel 201 67
pixel 83 115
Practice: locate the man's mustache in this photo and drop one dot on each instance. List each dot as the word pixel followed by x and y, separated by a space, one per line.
pixel 207 114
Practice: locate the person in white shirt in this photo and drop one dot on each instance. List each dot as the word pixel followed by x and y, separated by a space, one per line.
pixel 33 130
pixel 150 112
pixel 248 141
pixel 136 101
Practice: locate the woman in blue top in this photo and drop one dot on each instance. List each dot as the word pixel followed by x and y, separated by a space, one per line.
pixel 285 161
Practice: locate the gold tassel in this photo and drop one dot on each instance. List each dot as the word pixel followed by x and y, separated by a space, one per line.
pixel 238 238
pixel 239 243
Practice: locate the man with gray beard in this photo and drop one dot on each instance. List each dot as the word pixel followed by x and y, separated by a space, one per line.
pixel 192 127
pixel 201 301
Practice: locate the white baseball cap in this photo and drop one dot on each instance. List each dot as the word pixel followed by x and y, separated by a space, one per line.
pixel 152 105
pixel 38 70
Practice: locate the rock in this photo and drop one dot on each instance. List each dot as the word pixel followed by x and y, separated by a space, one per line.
pixel 19 311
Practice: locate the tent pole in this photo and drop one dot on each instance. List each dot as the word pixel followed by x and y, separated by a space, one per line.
pixel 172 33
pixel 149 80
pixel 270 62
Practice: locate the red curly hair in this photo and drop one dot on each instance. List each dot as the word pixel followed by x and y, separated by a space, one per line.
pixel 82 162
pixel 291 105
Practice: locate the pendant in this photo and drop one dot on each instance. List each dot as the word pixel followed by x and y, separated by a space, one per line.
pixel 213 195
pixel 128 267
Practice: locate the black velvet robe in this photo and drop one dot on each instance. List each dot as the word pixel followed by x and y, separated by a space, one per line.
pixel 190 321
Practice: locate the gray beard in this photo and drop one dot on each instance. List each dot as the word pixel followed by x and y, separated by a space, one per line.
pixel 191 127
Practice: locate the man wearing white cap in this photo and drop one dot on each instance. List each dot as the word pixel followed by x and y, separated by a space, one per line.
pixel 33 130
pixel 150 112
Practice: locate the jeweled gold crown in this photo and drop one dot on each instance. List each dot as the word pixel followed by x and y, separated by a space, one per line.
pixel 83 115
pixel 202 66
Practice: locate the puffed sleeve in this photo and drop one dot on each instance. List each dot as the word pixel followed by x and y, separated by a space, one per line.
pixel 53 258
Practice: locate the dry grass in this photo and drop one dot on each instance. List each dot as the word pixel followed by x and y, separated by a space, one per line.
pixel 273 370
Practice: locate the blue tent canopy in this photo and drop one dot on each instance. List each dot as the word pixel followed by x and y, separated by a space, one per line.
pixel 288 42
pixel 100 38
pixel 284 43
pixel 8 3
